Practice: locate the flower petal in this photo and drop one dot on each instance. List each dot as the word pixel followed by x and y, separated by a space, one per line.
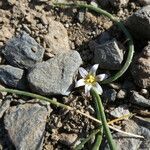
pixel 80 83
pixel 101 77
pixel 98 88
pixel 94 69
pixel 87 89
pixel 83 72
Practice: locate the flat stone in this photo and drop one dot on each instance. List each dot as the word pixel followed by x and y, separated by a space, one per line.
pixel 57 39
pixel 120 111
pixel 23 51
pixel 135 126
pixel 108 55
pixel 138 99
pixel 12 76
pixel 25 125
pixel 140 20
pixel 140 68
pixel 56 75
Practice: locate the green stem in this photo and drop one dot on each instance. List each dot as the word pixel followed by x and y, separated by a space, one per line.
pixel 57 104
pixel 28 94
pixel 100 134
pixel 120 25
pixel 97 98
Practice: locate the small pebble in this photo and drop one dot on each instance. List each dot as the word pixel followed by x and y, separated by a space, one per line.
pixel 145 93
pixel 121 94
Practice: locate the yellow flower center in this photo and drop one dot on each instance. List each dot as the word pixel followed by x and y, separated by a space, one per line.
pixel 90 79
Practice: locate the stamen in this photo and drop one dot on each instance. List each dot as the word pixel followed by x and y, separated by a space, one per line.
pixel 90 79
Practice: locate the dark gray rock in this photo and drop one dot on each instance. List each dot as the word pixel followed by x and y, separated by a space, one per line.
pixel 23 51
pixel 25 125
pixel 56 75
pixel 139 127
pixel 139 23
pixel 12 76
pixel 109 95
pixel 107 55
pixel 139 100
pixel 104 37
pixel 140 68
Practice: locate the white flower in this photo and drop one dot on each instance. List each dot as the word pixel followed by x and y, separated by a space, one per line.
pixel 89 80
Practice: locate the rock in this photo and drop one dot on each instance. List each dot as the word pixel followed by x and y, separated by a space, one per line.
pixel 141 68
pixel 57 38
pixel 120 111
pixel 144 2
pixel 104 37
pixel 145 93
pixel 122 94
pixel 107 55
pixel 81 16
pixel 138 99
pixel 23 51
pixel 12 76
pixel 68 139
pixel 56 75
pixel 4 105
pixel 25 125
pixel 109 95
pixel 140 20
pixel 139 127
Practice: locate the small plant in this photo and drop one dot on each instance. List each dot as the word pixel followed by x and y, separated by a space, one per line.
pixel 90 80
